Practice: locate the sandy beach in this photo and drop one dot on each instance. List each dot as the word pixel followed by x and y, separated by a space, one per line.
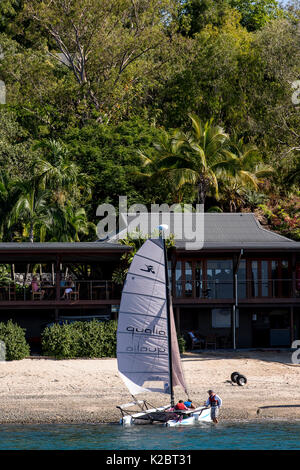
pixel 43 390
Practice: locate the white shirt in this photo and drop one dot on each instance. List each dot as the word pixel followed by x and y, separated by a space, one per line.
pixel 219 401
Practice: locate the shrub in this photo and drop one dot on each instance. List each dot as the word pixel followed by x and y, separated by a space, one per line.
pixel 80 339
pixel 15 343
pixel 181 343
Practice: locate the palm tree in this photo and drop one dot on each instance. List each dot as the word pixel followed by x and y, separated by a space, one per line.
pixel 31 209
pixel 241 170
pixel 293 176
pixel 190 157
pixel 58 173
pixel 70 224
pixel 6 191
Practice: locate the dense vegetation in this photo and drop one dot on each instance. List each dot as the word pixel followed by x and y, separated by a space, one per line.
pixel 13 337
pixel 80 339
pixel 160 100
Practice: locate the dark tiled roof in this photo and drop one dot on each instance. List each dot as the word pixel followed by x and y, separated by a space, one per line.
pixel 235 231
pixel 61 246
pixel 221 231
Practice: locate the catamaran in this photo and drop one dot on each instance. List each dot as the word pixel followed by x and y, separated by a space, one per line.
pixel 147 347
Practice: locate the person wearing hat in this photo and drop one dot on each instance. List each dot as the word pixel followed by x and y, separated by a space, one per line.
pixel 215 403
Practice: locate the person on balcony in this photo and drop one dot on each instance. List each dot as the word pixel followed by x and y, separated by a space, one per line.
pixel 36 288
pixel 69 288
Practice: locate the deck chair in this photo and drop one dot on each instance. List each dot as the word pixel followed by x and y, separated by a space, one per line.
pixel 195 342
pixel 12 292
pixel 75 293
pixel 36 294
pixel 211 341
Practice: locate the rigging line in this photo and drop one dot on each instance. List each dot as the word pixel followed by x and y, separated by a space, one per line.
pixel 137 334
pixel 164 283
pixel 137 313
pixel 146 277
pixel 146 257
pixel 144 295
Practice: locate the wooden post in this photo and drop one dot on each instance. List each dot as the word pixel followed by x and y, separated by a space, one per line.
pixel 292 324
pixel 57 278
pixel 234 327
pixel 294 264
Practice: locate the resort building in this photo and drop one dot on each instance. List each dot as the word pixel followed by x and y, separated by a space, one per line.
pixel 240 290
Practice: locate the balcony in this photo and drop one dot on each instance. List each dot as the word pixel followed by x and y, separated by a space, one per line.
pixel 99 291
pixel 107 292
pixel 246 290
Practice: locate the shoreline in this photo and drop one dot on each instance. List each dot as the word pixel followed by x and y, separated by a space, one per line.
pixel 86 391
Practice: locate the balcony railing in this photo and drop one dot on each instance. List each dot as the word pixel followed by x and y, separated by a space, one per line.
pixel 108 290
pixel 79 290
pixel 216 289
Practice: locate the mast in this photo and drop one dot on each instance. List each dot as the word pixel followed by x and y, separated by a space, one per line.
pixel 161 228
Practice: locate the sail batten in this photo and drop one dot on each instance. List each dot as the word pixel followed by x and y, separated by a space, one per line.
pixel 143 346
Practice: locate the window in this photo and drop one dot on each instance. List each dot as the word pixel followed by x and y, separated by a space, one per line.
pixel 199 279
pixel 285 276
pixel 188 290
pixel 275 284
pixel 241 278
pixel 270 278
pixel 254 278
pixel 265 278
pixel 220 279
pixel 221 318
pixel 178 279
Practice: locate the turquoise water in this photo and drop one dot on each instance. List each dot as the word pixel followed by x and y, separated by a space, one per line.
pixel 232 435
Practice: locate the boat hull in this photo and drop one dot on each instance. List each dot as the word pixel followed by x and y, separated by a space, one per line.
pixel 198 415
pixel 201 415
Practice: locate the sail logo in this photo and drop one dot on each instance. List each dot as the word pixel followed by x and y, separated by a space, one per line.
pixel 147 331
pixel 149 269
pixel 144 349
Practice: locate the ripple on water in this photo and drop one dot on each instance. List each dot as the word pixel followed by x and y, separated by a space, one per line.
pixel 227 435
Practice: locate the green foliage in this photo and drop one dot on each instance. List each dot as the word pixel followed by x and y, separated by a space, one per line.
pixel 80 339
pixel 5 277
pixel 135 241
pixel 256 14
pixel 181 343
pixel 82 106
pixel 254 199
pixel 283 217
pixel 14 338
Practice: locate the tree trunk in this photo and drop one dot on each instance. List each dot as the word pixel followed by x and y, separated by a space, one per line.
pixel 31 233
pixel 201 193
pixel 26 274
pixel 13 273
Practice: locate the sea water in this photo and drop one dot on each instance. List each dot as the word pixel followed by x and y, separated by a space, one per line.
pixel 266 435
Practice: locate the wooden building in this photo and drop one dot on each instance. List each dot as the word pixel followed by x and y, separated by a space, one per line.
pixel 241 290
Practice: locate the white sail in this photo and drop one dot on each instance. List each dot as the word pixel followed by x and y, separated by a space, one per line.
pixel 142 336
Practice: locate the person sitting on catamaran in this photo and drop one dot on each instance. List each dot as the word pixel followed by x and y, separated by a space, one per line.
pixel 189 404
pixel 180 406
pixel 215 403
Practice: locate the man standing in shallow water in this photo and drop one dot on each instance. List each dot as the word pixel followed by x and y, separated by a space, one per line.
pixel 215 403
